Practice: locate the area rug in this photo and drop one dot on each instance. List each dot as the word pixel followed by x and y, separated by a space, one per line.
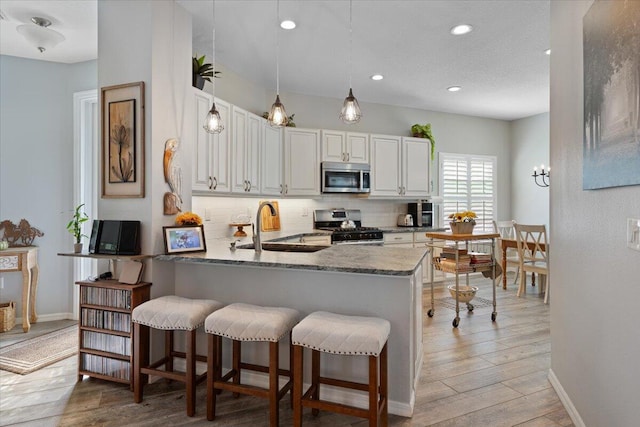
pixel 30 355
pixel 450 303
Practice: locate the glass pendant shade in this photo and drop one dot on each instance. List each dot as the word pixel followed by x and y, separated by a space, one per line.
pixel 39 35
pixel 277 116
pixel 350 109
pixel 213 122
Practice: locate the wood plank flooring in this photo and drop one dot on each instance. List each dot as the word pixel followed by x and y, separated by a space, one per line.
pixel 480 374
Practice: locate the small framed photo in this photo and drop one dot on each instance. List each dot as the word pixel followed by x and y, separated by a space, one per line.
pixel 181 239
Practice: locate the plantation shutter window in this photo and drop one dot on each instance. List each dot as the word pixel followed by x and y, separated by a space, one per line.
pixel 467 182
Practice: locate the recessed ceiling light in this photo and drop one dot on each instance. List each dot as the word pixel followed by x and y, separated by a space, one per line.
pixel 548 51
pixel 454 88
pixel 287 24
pixel 377 77
pixel 461 29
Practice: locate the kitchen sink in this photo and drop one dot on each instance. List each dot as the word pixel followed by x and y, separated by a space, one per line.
pixel 286 247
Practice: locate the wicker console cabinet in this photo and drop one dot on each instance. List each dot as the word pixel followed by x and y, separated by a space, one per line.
pixel 105 331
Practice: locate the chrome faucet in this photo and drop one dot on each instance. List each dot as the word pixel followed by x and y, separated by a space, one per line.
pixel 257 244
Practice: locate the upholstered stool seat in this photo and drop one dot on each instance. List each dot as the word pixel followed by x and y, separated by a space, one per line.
pixel 245 322
pixel 345 335
pixel 169 313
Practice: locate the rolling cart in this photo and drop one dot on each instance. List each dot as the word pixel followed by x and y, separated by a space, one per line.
pixel 457 239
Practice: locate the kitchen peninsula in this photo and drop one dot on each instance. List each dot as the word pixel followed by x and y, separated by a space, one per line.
pixel 347 279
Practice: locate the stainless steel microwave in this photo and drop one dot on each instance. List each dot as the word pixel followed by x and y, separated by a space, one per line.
pixel 346 177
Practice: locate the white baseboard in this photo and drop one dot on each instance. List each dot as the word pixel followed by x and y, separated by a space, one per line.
pixel 49 317
pixel 564 398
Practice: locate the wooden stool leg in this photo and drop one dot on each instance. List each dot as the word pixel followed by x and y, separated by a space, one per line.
pixel 273 384
pixel 137 351
pixel 191 372
pixel 291 369
pixel 315 378
pixel 384 387
pixel 297 384
pixel 373 391
pixel 237 357
pixel 212 362
pixel 168 349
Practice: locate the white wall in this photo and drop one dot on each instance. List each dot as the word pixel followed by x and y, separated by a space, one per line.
pixel 36 168
pixel 594 276
pixel 529 148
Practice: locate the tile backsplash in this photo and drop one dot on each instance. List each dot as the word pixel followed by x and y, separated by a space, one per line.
pixel 296 215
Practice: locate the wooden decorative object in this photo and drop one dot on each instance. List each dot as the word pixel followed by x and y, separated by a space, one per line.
pixel 22 232
pixel 240 232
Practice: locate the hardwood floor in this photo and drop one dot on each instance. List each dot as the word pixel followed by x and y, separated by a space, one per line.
pixel 480 374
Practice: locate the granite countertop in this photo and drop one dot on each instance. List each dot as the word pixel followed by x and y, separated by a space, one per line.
pixel 363 259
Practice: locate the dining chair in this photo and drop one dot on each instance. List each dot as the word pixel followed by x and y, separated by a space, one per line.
pixel 532 250
pixel 506 231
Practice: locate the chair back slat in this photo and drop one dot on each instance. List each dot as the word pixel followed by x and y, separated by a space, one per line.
pixel 536 238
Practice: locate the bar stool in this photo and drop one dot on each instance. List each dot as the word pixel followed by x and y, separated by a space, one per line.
pixel 169 313
pixel 347 335
pixel 245 322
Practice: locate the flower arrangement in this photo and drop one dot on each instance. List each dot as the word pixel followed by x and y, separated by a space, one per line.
pixel 188 218
pixel 465 216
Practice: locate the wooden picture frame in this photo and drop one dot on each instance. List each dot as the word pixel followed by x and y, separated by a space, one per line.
pixel 122 113
pixel 180 239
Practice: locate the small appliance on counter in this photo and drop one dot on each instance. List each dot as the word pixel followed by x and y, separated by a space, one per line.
pixel 405 220
pixel 423 213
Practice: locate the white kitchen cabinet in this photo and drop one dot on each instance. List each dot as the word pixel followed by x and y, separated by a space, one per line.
pixel 301 162
pixel 246 137
pixel 272 159
pixel 415 166
pixel 211 161
pixel 399 166
pixel 385 165
pixel 349 147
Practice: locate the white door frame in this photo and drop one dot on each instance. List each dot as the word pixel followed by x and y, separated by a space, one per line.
pixel 85 175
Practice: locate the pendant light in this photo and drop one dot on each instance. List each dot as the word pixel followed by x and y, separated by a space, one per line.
pixel 350 113
pixel 213 122
pixel 277 116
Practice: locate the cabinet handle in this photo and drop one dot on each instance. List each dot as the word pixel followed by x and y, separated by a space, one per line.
pixel 246 183
pixel 348 157
pixel 215 182
pixel 286 189
pixel 249 184
pixel 210 183
pixel 399 190
pixel 398 238
pixel 281 189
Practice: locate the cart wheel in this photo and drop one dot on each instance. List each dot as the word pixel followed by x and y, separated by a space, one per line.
pixel 456 322
pixel 493 316
pixel 430 312
pixel 470 307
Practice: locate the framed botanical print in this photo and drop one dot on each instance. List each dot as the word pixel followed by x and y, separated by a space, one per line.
pixel 122 110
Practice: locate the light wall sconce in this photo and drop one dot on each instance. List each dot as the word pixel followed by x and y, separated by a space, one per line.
pixel 39 35
pixel 544 175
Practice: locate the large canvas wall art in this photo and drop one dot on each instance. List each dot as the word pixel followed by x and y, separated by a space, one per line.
pixel 611 52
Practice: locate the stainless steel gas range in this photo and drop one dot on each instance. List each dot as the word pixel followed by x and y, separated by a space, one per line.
pixel 346 227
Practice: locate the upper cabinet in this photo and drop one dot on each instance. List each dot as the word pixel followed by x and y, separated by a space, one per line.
pixel 345 146
pixel 415 166
pixel 301 162
pixel 211 161
pixel 272 157
pixel 247 135
pixel 399 166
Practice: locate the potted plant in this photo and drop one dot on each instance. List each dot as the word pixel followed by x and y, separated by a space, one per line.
pixel 202 71
pixel 424 131
pixel 75 227
pixel 290 123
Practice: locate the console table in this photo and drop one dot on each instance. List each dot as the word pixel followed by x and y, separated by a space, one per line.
pixel 24 259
